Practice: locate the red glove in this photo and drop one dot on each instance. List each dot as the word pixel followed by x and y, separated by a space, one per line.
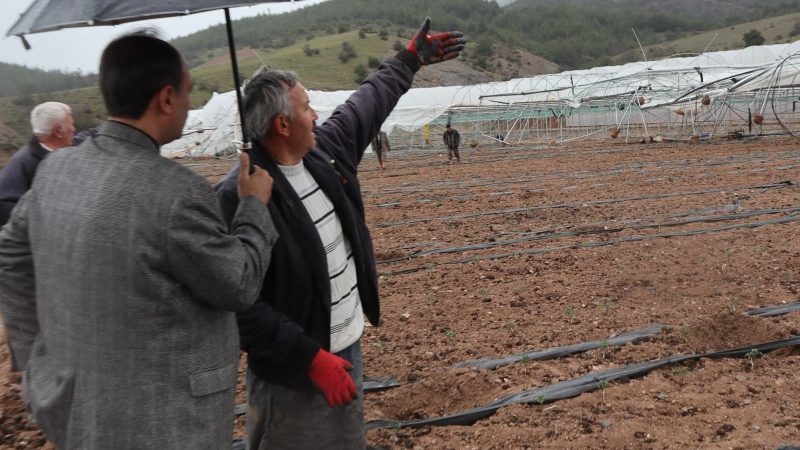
pixel 329 373
pixel 433 48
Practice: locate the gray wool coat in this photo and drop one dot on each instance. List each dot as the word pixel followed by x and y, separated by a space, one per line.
pixel 118 286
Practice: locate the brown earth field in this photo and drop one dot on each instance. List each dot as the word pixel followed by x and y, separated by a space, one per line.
pixel 527 248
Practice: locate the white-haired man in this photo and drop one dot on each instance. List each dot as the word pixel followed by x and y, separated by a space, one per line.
pixel 53 128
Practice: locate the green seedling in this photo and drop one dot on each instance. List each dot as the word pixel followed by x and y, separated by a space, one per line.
pixel 432 298
pixel 607 307
pixel 570 313
pixel 524 358
pixel 540 399
pixel 483 292
pixel 450 334
pixel 378 343
pixel 605 345
pixel 681 371
pixel 751 356
pixel 684 330
pixel 602 385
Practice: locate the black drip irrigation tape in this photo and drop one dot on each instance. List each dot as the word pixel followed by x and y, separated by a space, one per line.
pixel 574 387
pixel 675 164
pixel 761 223
pixel 781 184
pixel 583 175
pixel 527 189
pixel 558 352
pixel 372 384
pixel 777 310
pixel 377 384
pixel 550 231
pixel 782 220
pixel 594 230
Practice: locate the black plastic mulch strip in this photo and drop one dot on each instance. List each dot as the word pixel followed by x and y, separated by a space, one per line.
pixel 770 311
pixel 791 218
pixel 781 184
pixel 594 230
pixel 760 223
pixel 372 384
pixel 566 350
pixel 581 175
pixel 574 387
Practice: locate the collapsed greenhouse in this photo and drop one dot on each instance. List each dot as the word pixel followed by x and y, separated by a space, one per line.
pixel 752 91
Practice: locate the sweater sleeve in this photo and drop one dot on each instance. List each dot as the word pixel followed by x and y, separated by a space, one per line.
pixel 348 131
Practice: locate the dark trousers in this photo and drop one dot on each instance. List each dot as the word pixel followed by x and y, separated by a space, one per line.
pixel 283 418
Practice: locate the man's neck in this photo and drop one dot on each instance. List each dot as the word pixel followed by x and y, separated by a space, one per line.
pixel 142 125
pixel 280 152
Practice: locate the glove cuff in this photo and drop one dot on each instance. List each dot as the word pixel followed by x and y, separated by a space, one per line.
pixel 409 59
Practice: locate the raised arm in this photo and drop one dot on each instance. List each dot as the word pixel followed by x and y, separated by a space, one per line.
pixel 351 126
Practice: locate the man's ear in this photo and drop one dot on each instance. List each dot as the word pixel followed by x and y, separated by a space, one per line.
pixel 281 125
pixel 164 99
pixel 58 131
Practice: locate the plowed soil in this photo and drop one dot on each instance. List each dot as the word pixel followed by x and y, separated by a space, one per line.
pixel 526 248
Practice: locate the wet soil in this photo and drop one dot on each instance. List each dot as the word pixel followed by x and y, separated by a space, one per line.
pixel 526 248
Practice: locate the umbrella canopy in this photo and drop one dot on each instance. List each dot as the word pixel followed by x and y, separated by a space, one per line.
pixel 50 15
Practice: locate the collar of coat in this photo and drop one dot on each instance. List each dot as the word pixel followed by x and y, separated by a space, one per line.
pixel 128 133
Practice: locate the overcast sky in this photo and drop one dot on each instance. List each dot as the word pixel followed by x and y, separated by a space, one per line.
pixel 79 48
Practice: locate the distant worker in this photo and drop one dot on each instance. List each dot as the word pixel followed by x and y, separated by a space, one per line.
pixel 426 132
pixel 380 145
pixel 451 140
pixel 52 129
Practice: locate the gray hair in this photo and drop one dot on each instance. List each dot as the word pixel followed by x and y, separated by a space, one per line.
pixel 46 116
pixel 266 96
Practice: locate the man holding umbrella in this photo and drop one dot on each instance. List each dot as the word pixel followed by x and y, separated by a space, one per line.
pixel 119 277
pixel 302 335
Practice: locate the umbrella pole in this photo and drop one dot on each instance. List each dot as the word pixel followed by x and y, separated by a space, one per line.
pixel 235 68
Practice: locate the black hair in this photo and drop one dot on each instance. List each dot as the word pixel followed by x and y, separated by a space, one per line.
pixel 133 69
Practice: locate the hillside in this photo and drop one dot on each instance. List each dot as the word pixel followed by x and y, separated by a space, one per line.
pixel 776 30
pixel 21 80
pixel 321 71
pixel 572 33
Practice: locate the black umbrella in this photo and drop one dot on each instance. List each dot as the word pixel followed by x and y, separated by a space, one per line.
pixel 50 15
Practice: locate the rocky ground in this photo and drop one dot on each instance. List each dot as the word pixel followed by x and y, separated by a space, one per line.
pixel 528 248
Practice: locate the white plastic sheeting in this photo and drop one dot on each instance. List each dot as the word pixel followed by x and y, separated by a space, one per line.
pixel 211 131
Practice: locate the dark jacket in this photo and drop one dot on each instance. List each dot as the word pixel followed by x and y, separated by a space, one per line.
pixel 451 138
pixel 380 143
pixel 290 322
pixel 17 176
